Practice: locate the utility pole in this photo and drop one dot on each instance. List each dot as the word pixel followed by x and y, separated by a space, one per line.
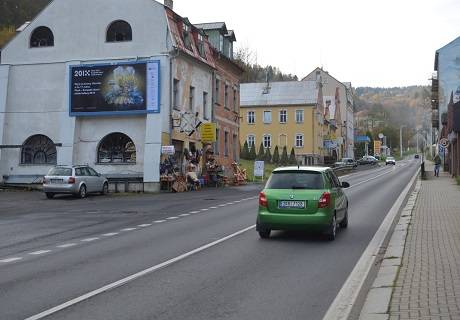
pixel 400 140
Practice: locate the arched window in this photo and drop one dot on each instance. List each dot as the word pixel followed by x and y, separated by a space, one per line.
pixel 38 149
pixel 116 148
pixel 42 37
pixel 119 31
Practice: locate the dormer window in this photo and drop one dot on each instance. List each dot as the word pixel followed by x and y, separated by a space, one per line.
pixel 119 31
pixel 201 45
pixel 186 36
pixel 42 37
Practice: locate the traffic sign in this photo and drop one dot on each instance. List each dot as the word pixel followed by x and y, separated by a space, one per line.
pixel 444 142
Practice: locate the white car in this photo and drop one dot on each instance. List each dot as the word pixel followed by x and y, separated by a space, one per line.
pixel 390 160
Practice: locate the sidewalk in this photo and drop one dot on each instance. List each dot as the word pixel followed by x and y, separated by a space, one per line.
pixel 426 282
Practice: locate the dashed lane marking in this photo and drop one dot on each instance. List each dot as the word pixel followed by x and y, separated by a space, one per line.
pixel 39 252
pixel 10 260
pixel 184 215
pixel 204 209
pixel 172 218
pixel 66 245
pixel 110 234
pixel 89 239
pixel 145 225
pixel 212 207
pixel 159 221
pixel 128 229
pixel 193 212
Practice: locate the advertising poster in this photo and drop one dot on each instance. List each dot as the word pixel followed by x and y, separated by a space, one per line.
pixel 114 88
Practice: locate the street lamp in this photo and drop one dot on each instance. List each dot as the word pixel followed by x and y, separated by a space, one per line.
pixel 400 140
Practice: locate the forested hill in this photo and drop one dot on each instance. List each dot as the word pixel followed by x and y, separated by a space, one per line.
pixel 16 12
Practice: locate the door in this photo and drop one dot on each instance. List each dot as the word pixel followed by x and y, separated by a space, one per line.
pixel 337 194
pixel 97 179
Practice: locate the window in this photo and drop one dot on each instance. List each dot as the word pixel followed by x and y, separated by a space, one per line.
pixel 186 36
pixel 217 145
pixel 295 179
pixel 116 148
pixel 226 96
pixel 251 141
pixel 283 116
pixel 226 143
pixel 267 141
pixel 267 117
pixel 201 45
pixel 221 43
pixel 205 106
pixel 38 149
pixel 299 140
pixel 235 106
pixel 119 31
pixel 42 37
pixel 217 98
pixel 251 117
pixel 191 99
pixel 299 116
pixel 176 94
pixel 236 147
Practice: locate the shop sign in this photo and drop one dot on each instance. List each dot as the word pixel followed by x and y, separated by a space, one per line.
pixel 377 146
pixel 114 89
pixel 329 144
pixel 170 150
pixel 208 132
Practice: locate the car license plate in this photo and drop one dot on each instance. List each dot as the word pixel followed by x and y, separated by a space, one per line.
pixel 289 204
pixel 56 181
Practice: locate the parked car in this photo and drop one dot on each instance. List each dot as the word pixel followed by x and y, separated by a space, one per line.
pixel 416 156
pixel 77 180
pixel 350 162
pixel 368 160
pixel 339 164
pixel 390 160
pixel 302 198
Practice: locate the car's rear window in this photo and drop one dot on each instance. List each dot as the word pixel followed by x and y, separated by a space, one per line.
pixel 295 179
pixel 60 172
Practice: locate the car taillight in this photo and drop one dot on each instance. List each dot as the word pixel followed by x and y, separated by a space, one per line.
pixel 71 180
pixel 325 200
pixel 263 200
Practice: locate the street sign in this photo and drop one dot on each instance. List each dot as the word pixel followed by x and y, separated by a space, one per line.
pixel 167 150
pixel 208 132
pixel 444 142
pixel 441 149
pixel 259 168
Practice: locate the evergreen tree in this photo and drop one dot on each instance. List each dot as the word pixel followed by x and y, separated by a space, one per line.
pixel 276 156
pixel 261 154
pixel 268 155
pixel 292 159
pixel 284 157
pixel 245 152
pixel 252 153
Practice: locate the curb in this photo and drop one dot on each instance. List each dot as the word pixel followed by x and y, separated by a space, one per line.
pixel 343 304
pixel 378 299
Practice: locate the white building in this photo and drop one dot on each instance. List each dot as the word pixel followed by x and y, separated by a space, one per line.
pixel 93 82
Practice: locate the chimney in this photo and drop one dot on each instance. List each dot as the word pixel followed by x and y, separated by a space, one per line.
pixel 169 4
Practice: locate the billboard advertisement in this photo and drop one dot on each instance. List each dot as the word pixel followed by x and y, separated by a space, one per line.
pixel 115 89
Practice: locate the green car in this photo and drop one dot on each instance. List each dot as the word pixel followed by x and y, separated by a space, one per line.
pixel 301 198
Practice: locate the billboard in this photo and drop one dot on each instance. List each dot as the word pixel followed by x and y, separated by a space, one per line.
pixel 115 89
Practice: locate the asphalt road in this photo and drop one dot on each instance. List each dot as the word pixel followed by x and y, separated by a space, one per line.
pixel 54 251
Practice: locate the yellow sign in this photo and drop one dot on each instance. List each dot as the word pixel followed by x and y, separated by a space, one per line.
pixel 208 132
pixel 377 145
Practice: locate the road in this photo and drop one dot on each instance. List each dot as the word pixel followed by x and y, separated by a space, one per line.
pixel 54 251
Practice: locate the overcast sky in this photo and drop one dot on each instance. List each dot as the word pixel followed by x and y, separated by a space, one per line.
pixel 366 42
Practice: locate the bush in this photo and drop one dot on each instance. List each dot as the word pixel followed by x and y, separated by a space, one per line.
pixel 276 156
pixel 284 157
pixel 292 159
pixel 261 154
pixel 245 152
pixel 268 155
pixel 252 153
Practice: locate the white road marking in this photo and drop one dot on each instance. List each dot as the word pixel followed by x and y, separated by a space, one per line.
pixel 128 229
pixel 184 215
pixel 237 201
pixel 346 298
pixel 135 276
pixel 110 234
pixel 67 245
pixel 10 260
pixel 145 225
pixel 212 207
pixel 159 221
pixel 367 180
pixel 172 218
pixel 204 209
pixel 192 212
pixel 222 205
pixel 229 203
pixel 36 253
pixel 89 239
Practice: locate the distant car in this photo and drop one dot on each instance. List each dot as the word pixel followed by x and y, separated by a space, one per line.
pixel 302 198
pixel 339 164
pixel 368 160
pixel 390 160
pixel 416 156
pixel 77 180
pixel 350 162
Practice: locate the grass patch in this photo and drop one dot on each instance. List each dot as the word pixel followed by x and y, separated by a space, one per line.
pixel 458 180
pixel 249 166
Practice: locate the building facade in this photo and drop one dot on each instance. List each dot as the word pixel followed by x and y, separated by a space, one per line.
pixel 283 114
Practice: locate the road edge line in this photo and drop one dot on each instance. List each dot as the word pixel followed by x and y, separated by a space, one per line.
pixel 343 303
pixel 134 276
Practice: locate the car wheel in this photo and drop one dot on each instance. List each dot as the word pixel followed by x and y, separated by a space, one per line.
pixel 264 234
pixel 332 229
pixel 82 192
pixel 105 189
pixel 344 223
pixel 49 195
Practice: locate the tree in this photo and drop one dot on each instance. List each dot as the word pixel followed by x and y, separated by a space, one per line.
pixel 276 156
pixel 245 152
pixel 284 157
pixel 292 158
pixel 261 154
pixel 268 155
pixel 252 153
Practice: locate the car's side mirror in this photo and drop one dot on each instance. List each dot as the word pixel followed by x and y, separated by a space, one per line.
pixel 345 185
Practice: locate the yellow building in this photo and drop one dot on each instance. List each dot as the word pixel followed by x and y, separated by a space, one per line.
pixel 283 114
